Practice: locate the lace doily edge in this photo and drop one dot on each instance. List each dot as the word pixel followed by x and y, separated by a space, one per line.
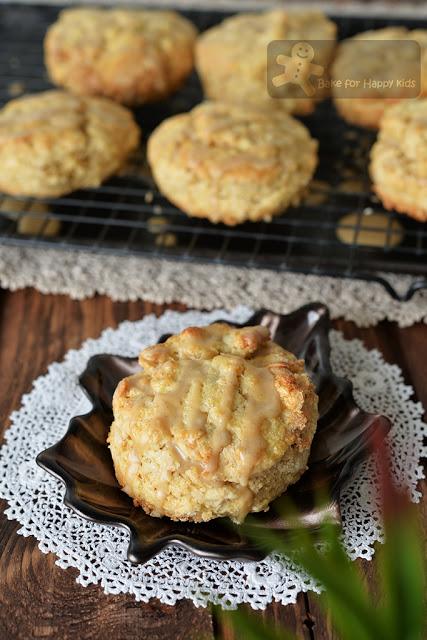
pixel 205 287
pixel 47 546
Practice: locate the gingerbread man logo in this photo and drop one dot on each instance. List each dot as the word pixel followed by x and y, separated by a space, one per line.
pixel 298 68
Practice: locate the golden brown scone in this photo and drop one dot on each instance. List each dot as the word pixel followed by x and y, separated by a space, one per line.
pixel 399 159
pixel 219 423
pixel 356 60
pixel 52 143
pixel 131 56
pixel 231 58
pixel 229 164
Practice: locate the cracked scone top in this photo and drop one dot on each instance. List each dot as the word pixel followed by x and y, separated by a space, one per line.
pixel 231 164
pixel 398 165
pixel 231 58
pixel 218 423
pixel 52 143
pixel 131 56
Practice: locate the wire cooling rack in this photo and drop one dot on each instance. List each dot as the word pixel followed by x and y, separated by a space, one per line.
pixel 326 234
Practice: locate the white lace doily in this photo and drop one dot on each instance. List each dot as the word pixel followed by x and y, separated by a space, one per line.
pixel 99 552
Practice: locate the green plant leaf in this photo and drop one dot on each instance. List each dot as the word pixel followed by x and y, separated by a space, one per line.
pixel 350 605
pixel 401 569
pixel 398 613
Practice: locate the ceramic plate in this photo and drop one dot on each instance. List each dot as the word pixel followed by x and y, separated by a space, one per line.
pixel 344 437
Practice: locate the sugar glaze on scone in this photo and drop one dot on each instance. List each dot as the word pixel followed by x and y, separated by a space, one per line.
pixel 399 159
pixel 230 163
pixel 131 56
pixel 218 423
pixel 52 143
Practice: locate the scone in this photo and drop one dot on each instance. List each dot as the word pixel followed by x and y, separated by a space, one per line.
pixel 52 143
pixel 131 56
pixel 399 159
pixel 219 423
pixel 231 58
pixel 355 59
pixel 229 164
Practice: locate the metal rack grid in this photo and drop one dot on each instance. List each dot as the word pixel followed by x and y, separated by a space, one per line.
pixel 127 215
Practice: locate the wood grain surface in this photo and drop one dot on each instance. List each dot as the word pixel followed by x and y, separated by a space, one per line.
pixel 40 600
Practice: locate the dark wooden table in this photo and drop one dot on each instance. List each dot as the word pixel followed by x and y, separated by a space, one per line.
pixel 40 600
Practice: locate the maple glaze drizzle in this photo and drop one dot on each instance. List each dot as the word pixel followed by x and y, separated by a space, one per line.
pixel 244 397
pixel 263 404
pixel 182 407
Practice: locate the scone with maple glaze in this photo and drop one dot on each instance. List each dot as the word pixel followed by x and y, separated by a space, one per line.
pixel 399 159
pixel 52 143
pixel 218 423
pixel 231 58
pixel 131 56
pixel 231 164
pixel 357 60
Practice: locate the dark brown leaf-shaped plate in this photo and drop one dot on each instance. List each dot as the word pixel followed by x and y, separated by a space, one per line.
pixel 344 437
